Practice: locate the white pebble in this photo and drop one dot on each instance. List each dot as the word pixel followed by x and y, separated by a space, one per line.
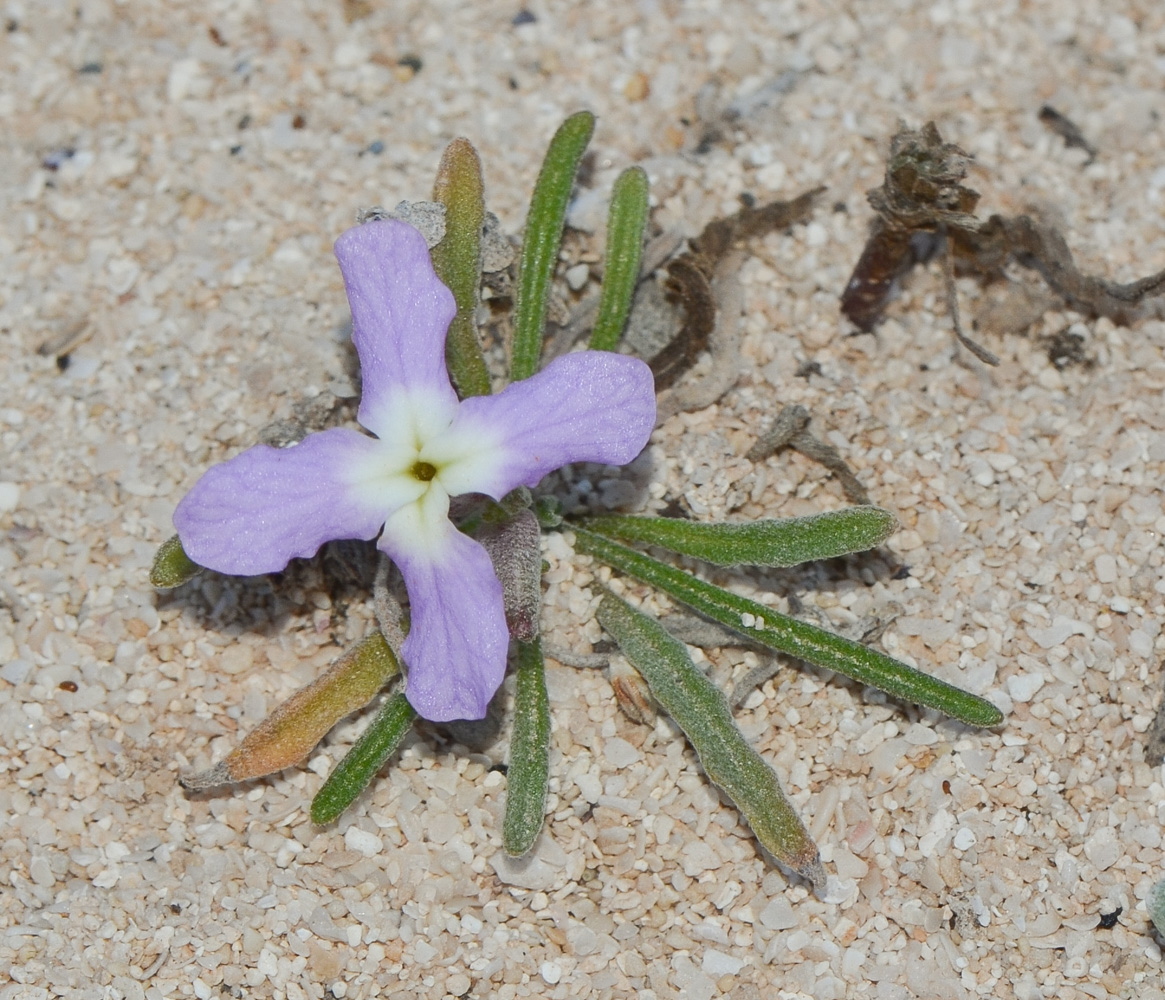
pixel 1023 687
pixel 1105 568
pixel 772 176
pixel 698 858
pixel 717 964
pixel 778 915
pixel 362 842
pixel 349 54
pixel 1057 632
pixel 532 873
pixel 550 973
pixel 9 497
pixel 107 878
pixel 577 276
pixel 1103 849
pixel 964 839
pixel 590 786
pixel 1140 642
pixel 16 671
pixel 181 80
pixel 621 753
pixel 41 872
pixel 838 890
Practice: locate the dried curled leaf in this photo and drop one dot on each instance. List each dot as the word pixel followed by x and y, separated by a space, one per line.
pixel 292 731
pixel 922 206
pixel 690 278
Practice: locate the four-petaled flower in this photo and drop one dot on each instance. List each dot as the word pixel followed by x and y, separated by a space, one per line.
pixel 264 507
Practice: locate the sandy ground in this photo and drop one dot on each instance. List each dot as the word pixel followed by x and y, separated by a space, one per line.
pixel 172 177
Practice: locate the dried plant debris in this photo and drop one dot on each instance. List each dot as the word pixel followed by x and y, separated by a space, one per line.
pixel 791 430
pixel 1067 349
pixel 67 340
pixel 714 119
pixel 1067 130
pixel 923 209
pixel 724 344
pixel 690 278
pixel 920 199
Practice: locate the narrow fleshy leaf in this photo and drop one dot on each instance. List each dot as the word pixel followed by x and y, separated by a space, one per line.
pixel 514 549
pixel 457 261
pixel 292 731
pixel 172 566
pixel 543 237
pixel 529 769
pixel 626 219
pixel 702 712
pixel 788 635
pixel 368 754
pixel 757 543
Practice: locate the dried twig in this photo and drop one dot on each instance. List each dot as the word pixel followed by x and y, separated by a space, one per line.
pixel 791 429
pixel 1067 130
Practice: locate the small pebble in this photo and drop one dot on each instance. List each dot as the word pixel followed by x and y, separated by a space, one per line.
pixel 964 839
pixel 718 964
pixel 9 497
pixel 363 842
pixel 578 276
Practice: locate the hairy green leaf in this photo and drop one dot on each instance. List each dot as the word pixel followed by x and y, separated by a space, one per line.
pixel 354 773
pixel 625 222
pixel 457 261
pixel 757 543
pixel 702 712
pixel 788 635
pixel 529 770
pixel 543 237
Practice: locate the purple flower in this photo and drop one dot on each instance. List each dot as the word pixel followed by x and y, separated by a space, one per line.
pixel 268 505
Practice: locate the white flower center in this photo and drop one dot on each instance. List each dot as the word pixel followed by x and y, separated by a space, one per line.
pixel 423 458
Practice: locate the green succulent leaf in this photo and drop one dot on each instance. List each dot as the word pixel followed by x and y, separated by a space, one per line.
pixel 543 238
pixel 354 773
pixel 172 566
pixel 786 542
pixel 702 712
pixel 626 220
pixel 529 771
pixel 788 635
pixel 457 261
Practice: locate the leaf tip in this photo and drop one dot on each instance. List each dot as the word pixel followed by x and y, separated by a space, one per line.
pixel 172 566
pixel 212 777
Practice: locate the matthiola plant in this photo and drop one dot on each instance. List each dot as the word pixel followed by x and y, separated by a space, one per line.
pixel 268 505
pixel 473 579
